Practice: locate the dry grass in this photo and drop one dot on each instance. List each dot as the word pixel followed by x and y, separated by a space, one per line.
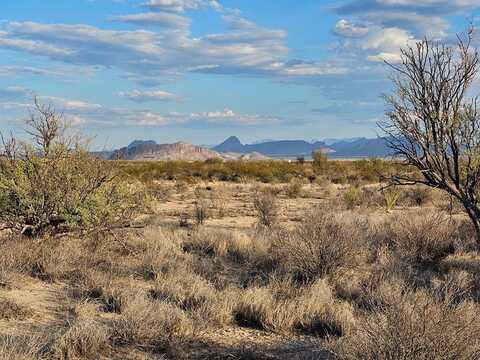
pixel 415 325
pixel 312 310
pixel 317 247
pixel 83 339
pixel 20 347
pixel 10 310
pixel 365 283
pixel 151 325
pixel 265 204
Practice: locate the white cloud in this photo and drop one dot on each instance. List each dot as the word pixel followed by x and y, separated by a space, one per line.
pixel 179 6
pixel 391 58
pixel 230 117
pixel 17 100
pixel 28 70
pixel 386 43
pixel 145 54
pixel 459 4
pixel 159 19
pixel 145 96
pixel 348 29
pixel 18 93
pixel 147 118
pixel 70 105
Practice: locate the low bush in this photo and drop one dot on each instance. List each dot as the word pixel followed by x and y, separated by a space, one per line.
pixel 421 240
pixel 294 189
pixel 315 248
pixel 353 197
pixel 83 339
pixel 10 310
pixel 390 197
pixel 414 325
pixel 288 309
pixel 154 325
pixel 265 204
pixel 417 196
pixel 201 211
pixel 55 183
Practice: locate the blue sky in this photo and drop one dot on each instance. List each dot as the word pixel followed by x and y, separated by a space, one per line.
pixel 201 70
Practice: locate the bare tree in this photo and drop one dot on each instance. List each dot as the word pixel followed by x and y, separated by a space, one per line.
pixel 432 124
pixel 45 126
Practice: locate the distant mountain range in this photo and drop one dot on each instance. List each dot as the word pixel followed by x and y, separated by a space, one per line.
pixel 150 150
pixel 233 149
pixel 348 148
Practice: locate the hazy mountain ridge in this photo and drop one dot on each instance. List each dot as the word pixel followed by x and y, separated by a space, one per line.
pixel 271 148
pixel 347 148
pixel 233 149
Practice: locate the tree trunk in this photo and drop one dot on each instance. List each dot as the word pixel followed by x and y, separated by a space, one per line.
pixel 474 215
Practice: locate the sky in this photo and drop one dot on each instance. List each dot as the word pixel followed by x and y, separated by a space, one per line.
pixel 202 70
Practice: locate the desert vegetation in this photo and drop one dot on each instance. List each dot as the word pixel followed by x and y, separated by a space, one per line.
pixel 253 272
pixel 232 260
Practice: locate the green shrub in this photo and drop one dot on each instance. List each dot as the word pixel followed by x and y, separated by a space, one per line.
pixel 294 189
pixel 353 197
pixel 390 197
pixel 55 182
pixel 320 162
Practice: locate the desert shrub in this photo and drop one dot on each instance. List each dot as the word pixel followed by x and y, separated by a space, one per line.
pixel 372 197
pixel 97 288
pixel 150 324
pixel 158 191
pixel 289 309
pixel 21 347
pixel 84 339
pixel 186 290
pixel 414 325
pixel 201 211
pixel 315 248
pixel 390 197
pixel 235 246
pixel 43 259
pixel 213 161
pixel 353 197
pixel 320 162
pixel 10 310
pixel 265 204
pixel 417 196
pixel 294 189
pixel 55 181
pixel 219 201
pixel 421 240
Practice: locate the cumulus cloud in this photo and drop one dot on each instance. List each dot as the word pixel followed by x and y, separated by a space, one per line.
pixel 426 7
pixel 159 19
pixel 70 105
pixel 18 100
pixel 349 29
pixel 179 6
pixel 387 44
pixel 147 55
pixel 145 96
pixel 229 116
pixel 418 17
